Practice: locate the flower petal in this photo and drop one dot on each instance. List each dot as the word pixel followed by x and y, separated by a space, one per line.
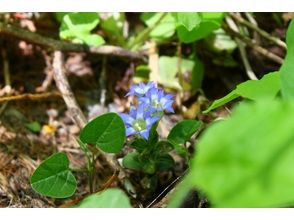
pixel 145 134
pixel 127 118
pixel 130 131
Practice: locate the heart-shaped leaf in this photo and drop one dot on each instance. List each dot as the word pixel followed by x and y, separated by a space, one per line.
pixel 106 132
pixel 53 177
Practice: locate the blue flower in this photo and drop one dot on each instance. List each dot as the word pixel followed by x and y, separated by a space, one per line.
pixel 158 101
pixel 140 89
pixel 139 121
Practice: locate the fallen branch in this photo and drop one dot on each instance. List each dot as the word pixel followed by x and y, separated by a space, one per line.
pixel 263 33
pixel 253 45
pixel 12 30
pixel 242 50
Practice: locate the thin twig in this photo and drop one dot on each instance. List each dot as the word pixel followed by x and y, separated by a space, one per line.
pixel 242 50
pixel 32 97
pixel 263 33
pixel 253 45
pixel 12 30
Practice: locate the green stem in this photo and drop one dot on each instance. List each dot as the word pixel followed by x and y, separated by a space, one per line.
pixel 145 33
pixel 91 160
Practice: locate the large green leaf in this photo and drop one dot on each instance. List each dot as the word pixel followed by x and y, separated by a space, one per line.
pixel 252 165
pixel 106 132
pixel 287 69
pixel 53 177
pixel 110 198
pixel 267 87
pixel 165 29
pixel 77 26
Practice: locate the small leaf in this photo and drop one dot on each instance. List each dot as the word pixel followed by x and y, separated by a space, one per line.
pixel 53 178
pixel 267 87
pixel 77 26
pixel 164 162
pixel 163 147
pixel 139 144
pixel 106 132
pixel 183 131
pixel 168 69
pixel 287 68
pixel 110 198
pixel 34 126
pixel 93 39
pixel 165 29
pixel 210 21
pixel 189 20
pixel 132 161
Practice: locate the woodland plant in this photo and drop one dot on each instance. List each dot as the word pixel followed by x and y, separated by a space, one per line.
pixel 108 133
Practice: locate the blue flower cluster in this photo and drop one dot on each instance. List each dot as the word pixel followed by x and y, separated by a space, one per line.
pixel 153 101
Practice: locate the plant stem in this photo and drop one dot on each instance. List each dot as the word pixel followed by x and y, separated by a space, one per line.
pixel 91 169
pixel 145 33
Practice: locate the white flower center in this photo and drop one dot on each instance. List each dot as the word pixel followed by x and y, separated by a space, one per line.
pixel 139 125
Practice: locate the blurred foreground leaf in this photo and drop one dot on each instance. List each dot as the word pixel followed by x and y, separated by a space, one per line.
pixel 252 165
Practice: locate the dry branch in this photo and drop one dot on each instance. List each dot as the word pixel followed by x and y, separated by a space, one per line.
pixel 253 45
pixel 263 33
pixel 12 30
pixel 28 96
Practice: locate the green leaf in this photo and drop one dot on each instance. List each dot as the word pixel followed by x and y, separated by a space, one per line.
pixel 252 165
pixel 132 161
pixel 34 126
pixel 209 22
pixel 267 87
pixel 53 177
pixel 163 147
pixel 164 162
pixel 77 26
pixel 106 132
pixel 93 39
pixel 110 198
pixel 189 20
pixel 168 69
pixel 141 74
pixel 153 135
pixel 183 131
pixel 139 144
pixel 165 29
pixel 287 69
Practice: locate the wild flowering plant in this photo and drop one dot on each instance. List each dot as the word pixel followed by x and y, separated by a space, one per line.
pixel 108 133
pixel 152 102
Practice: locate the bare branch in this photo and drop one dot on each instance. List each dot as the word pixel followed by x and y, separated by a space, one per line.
pixel 253 45
pixel 12 30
